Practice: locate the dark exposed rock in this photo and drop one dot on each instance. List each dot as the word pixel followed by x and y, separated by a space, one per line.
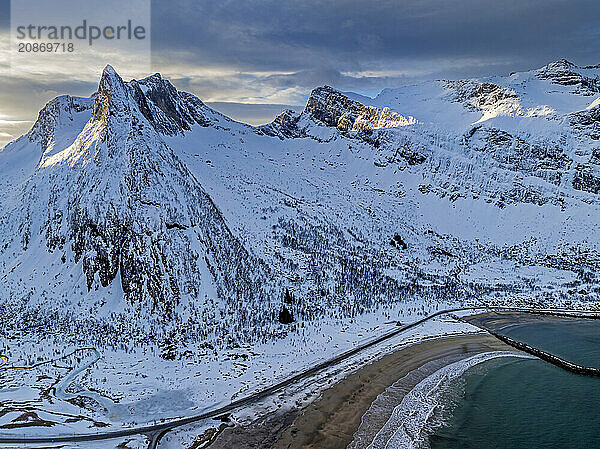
pixel 476 96
pixel 411 156
pixel 546 160
pixel 397 242
pixel 284 126
pixel 288 297
pixel 586 179
pixel 564 73
pixel 168 110
pixel 175 226
pixel 595 157
pixel 329 106
pixel 587 122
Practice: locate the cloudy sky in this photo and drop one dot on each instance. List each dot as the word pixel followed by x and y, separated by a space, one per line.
pixel 273 52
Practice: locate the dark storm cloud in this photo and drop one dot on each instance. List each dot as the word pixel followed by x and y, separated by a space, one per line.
pixel 20 95
pixel 352 35
pixel 312 77
pixel 4 14
pixel 308 79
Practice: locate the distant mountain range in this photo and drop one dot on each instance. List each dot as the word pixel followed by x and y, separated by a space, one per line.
pixel 142 214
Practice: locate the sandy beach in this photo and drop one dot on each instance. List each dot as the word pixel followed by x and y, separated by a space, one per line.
pixel 331 421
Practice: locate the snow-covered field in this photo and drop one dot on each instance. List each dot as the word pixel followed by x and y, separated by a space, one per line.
pixel 124 389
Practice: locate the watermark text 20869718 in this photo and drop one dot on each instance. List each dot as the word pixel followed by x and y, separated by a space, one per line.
pixel 45 47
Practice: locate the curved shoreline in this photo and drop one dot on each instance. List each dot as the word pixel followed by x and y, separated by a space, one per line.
pixel 410 418
pixel 331 421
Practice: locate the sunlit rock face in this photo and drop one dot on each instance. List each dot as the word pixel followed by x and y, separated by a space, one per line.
pixel 333 108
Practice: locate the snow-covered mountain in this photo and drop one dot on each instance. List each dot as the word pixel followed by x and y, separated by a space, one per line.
pixel 142 214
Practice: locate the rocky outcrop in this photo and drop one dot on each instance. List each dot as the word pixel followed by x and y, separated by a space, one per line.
pixel 333 108
pixel 565 73
pixel 168 110
pixel 586 178
pixel 489 98
pixel 284 126
pixel 544 159
pixel 587 122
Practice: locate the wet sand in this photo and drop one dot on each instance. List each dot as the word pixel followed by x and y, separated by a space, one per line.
pixel 330 421
pixel 499 320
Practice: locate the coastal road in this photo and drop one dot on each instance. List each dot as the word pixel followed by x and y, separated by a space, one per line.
pixel 156 431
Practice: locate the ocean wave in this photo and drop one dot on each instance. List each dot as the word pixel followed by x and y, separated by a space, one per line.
pixel 406 427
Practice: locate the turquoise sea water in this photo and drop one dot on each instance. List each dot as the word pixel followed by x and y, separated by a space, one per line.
pixel 528 403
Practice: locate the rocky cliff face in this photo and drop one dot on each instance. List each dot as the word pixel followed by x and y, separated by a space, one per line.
pixel 119 203
pixel 486 97
pixel 335 109
pixel 284 126
pixel 168 110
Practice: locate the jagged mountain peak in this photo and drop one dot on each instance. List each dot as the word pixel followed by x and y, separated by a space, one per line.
pixel 561 63
pixel 153 97
pixel 156 83
pixel 111 82
pixel 109 71
pixel 112 201
pixel 168 110
pixel 154 78
pixel 152 101
pixel 584 80
pixel 112 95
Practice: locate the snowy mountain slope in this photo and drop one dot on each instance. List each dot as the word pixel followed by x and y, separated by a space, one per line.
pixel 111 205
pixel 171 238
pixel 537 93
pixel 144 201
pixel 507 141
